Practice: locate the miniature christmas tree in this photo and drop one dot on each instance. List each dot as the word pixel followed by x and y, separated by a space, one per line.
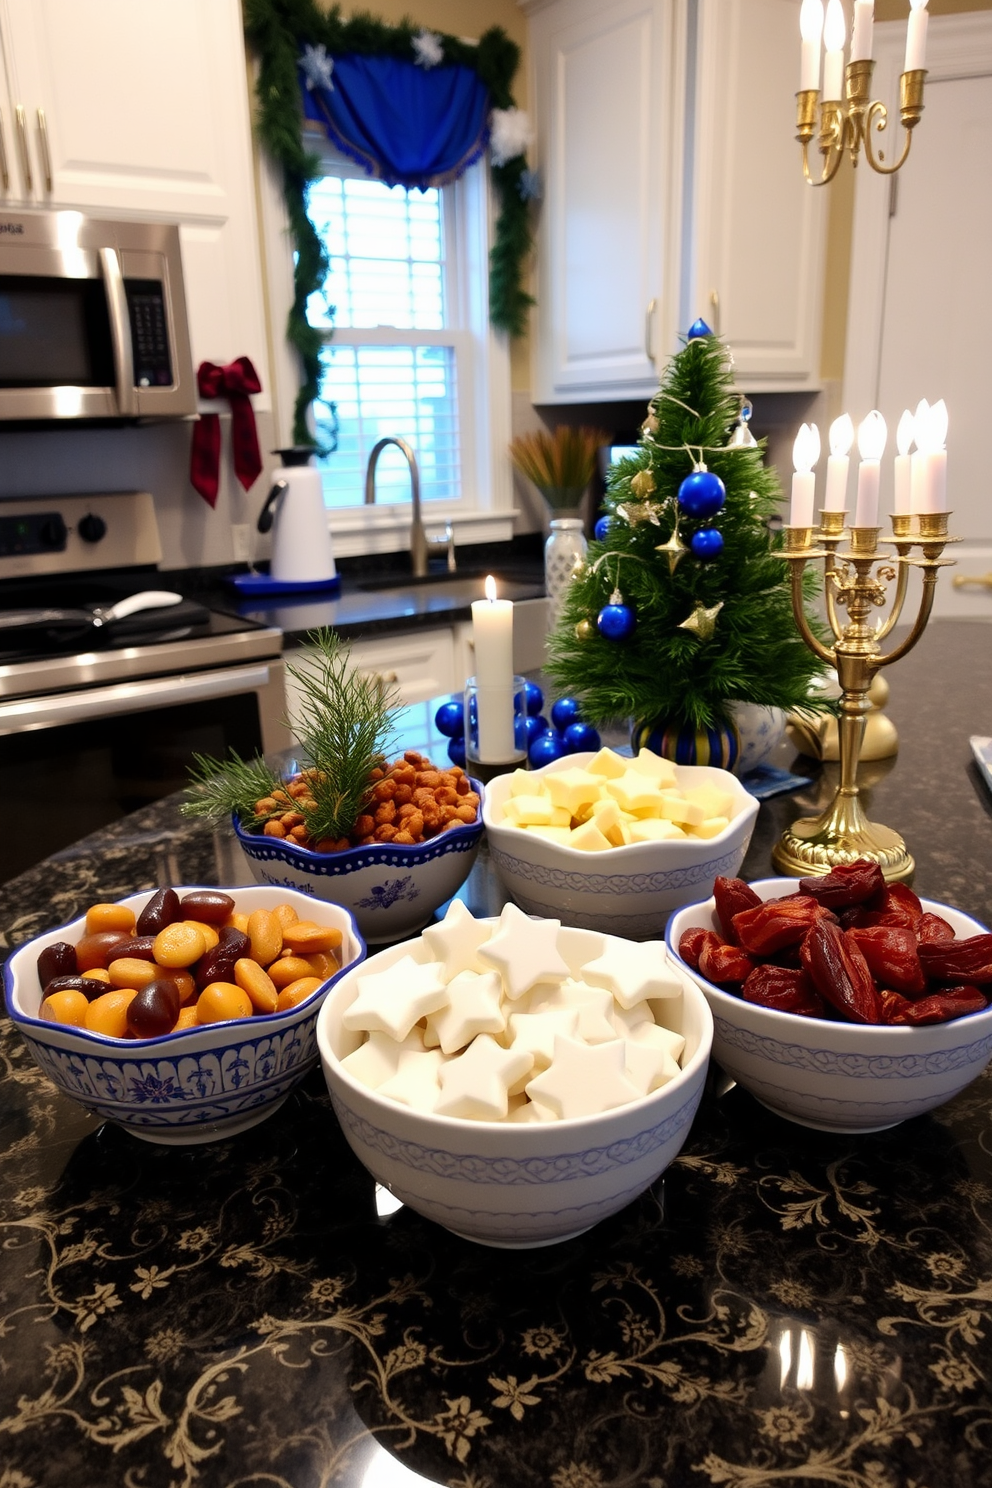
pixel 682 607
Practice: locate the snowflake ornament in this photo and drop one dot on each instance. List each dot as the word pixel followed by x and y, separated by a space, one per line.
pixel 509 134
pixel 317 67
pixel 429 49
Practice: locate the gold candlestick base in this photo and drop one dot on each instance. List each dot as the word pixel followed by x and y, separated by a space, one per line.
pixel 815 845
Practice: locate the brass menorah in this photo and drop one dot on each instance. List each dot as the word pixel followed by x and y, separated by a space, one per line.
pixel 858 581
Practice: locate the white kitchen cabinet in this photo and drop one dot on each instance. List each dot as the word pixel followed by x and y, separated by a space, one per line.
pixel 120 108
pixel 672 189
pixel 416 667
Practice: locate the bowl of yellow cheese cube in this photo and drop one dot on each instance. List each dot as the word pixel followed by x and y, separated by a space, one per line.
pixel 607 842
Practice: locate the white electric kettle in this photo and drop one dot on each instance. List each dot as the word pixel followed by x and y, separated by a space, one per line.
pixel 294 511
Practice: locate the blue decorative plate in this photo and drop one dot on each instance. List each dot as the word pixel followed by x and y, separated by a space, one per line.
pixel 256 583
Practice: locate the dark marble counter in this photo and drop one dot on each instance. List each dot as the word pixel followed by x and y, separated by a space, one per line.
pixel 783 1307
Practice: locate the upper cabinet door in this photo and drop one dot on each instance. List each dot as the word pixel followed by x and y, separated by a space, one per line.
pixel 756 267
pixel 122 106
pixel 609 110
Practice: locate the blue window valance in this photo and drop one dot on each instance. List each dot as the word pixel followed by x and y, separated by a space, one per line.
pixel 406 126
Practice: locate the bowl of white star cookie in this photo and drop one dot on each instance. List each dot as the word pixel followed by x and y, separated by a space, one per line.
pixel 515 1080
pixel 606 842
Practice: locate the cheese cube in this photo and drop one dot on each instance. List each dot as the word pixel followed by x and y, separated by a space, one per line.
pixel 659 770
pixel 573 788
pixel 633 791
pixel 529 811
pixel 715 802
pixel 711 827
pixel 562 835
pixel 675 808
pixel 523 783
pixel 589 838
pixel 651 829
pixel 608 764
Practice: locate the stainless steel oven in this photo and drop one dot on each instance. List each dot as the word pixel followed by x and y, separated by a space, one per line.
pixel 100 715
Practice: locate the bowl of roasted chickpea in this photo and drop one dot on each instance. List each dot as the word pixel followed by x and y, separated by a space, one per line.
pixel 185 1014
pixel 409 851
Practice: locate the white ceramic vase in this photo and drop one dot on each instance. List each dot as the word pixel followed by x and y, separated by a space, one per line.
pixel 566 545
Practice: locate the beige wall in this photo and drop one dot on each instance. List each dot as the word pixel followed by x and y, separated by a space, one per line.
pixel 841 218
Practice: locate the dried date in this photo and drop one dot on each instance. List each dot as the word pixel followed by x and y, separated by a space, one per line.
pixel 847 885
pixel 732 896
pixel 840 973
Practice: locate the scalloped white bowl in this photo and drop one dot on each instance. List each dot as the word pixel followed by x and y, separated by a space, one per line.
pixel 841 1077
pixel 200 1085
pixel 504 1184
pixel 627 891
pixel 391 889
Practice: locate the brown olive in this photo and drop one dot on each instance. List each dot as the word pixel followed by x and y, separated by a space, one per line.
pixel 207 904
pixel 161 910
pixel 57 960
pixel 140 947
pixel 154 1009
pixel 89 986
pixel 95 950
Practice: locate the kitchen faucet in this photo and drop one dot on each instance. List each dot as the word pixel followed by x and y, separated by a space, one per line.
pixel 420 543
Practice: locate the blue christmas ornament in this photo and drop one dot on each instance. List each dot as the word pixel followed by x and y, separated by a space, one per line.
pixel 564 712
pixel 697 329
pixel 616 622
pixel 707 543
pixel 533 698
pixel 533 727
pixel 702 494
pixel 456 752
pixel 580 737
pixel 601 529
pixel 546 748
pixel 449 719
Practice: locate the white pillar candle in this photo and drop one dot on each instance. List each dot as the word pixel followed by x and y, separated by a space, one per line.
pixel 864 15
pixel 841 439
pixel 834 36
pixel 916 36
pixel 811 30
pixel 492 636
pixel 805 453
pixel 916 460
pixel 871 445
pixel 932 490
pixel 905 434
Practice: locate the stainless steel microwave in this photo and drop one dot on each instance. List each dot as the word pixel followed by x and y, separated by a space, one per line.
pixel 92 319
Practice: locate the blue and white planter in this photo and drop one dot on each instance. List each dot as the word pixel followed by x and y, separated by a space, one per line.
pixel 391 890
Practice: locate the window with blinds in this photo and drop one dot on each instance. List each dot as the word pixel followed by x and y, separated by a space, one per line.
pixel 390 365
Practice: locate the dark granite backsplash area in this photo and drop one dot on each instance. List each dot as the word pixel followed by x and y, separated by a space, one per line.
pixel 783 1307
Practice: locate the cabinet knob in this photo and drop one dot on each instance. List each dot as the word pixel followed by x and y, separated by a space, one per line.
pixel 648 331
pixel 981 581
pixel 22 141
pixel 715 311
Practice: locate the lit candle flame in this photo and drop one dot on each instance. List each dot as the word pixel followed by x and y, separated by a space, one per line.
pixel 905 433
pixel 491 589
pixel 841 434
pixel 806 449
pixel 871 436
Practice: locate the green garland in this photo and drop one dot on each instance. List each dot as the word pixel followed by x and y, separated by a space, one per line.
pixel 275 30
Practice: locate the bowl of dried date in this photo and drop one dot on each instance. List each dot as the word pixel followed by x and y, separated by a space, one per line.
pixel 389 839
pixel 841 1002
pixel 186 1014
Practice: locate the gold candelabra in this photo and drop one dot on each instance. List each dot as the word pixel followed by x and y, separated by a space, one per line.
pixel 857 581
pixel 847 124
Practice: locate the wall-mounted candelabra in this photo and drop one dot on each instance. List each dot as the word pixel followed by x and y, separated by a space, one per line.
pixel 847 116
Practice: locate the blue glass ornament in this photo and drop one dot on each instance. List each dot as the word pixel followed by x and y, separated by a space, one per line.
pixel 601 529
pixel 707 543
pixel 616 622
pixel 533 727
pixel 449 719
pixel 456 752
pixel 563 712
pixel 546 748
pixel 580 737
pixel 533 698
pixel 697 329
pixel 702 494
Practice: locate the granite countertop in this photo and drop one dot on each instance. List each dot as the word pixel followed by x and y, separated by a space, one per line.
pixel 784 1306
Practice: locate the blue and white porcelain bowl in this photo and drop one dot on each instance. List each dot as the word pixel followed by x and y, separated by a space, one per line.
pixel 505 1184
pixel 840 1077
pixel 391 889
pixel 628 891
pixel 200 1085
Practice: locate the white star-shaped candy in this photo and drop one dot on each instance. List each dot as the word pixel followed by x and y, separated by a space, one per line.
pixel 633 971
pixel 584 1079
pixel 534 1033
pixel 455 941
pixel 594 1006
pixel 429 49
pixel 475 1006
pixel 476 1084
pixel 629 1021
pixel 648 1067
pixel 378 1058
pixel 317 67
pixel 660 1038
pixel 392 1001
pixel 415 1082
pixel 525 951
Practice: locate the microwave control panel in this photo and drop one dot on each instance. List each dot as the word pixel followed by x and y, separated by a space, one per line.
pixel 149 332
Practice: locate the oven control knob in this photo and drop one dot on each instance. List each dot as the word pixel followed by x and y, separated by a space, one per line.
pixel 52 532
pixel 92 528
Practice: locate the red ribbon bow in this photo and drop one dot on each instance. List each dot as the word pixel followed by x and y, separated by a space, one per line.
pixel 234 382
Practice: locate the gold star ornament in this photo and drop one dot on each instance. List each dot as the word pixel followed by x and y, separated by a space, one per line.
pixel 674 550
pixel 634 512
pixel 642 484
pixel 702 621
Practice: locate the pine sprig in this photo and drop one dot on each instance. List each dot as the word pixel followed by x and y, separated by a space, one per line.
pixel 221 789
pixel 756 653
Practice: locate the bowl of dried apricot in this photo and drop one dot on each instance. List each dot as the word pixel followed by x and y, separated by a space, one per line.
pixel 841 1002
pixel 185 1014
pixel 410 849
